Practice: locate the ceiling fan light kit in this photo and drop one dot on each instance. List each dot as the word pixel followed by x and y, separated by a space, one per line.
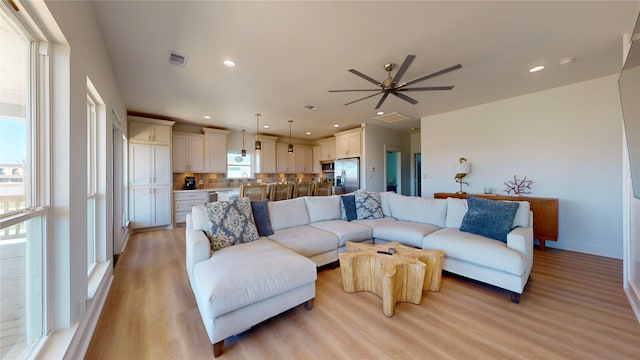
pixel 392 85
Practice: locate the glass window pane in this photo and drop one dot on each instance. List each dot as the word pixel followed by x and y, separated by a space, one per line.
pixel 15 62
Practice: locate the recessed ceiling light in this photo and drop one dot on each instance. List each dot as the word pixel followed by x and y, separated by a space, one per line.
pixel 536 69
pixel 566 61
pixel 265 126
pixel 308 132
pixel 380 113
pixel 336 125
pixel 229 63
pixel 207 117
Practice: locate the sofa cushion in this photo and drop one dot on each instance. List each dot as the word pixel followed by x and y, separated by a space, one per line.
pixel 521 217
pixel 456 208
pixel 323 208
pixel 490 218
pixel 384 202
pixel 306 240
pixel 405 232
pixel 372 223
pixel 244 274
pixel 260 209
pixel 288 213
pixel 349 207
pixel 477 250
pixel 230 222
pixel 345 231
pixel 368 205
pixel 199 218
pixel 418 209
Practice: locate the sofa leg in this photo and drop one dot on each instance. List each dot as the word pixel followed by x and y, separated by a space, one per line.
pixel 217 348
pixel 308 305
pixel 515 298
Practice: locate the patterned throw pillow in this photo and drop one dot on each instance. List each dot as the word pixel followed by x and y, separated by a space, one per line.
pixel 231 222
pixel 368 205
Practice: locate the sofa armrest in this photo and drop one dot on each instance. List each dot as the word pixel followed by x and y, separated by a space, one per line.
pixel 198 248
pixel 521 240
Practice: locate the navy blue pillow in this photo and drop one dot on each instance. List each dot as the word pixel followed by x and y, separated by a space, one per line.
pixel 489 218
pixel 260 211
pixel 349 203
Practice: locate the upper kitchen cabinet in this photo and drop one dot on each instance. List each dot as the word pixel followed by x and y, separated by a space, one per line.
pixel 215 150
pixel 327 150
pixel 188 152
pixel 149 131
pixel 285 161
pixel 348 143
pixel 303 159
pixel 266 157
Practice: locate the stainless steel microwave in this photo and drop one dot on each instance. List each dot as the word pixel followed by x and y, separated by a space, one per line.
pixel 327 166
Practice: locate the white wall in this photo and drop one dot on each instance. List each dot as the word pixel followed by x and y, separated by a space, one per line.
pixel 567 140
pixel 374 139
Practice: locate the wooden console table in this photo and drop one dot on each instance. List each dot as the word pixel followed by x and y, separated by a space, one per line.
pixel 545 213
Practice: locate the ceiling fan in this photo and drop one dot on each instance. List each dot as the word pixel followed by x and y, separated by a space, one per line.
pixel 393 85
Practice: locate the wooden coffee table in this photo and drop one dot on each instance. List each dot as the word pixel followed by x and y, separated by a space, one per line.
pixel 400 277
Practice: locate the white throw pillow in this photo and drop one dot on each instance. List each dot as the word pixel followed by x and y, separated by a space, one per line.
pixel 456 208
pixel 418 209
pixel 323 208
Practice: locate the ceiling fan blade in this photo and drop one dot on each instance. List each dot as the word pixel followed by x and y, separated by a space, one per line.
pixel 366 97
pixel 403 68
pixel 382 99
pixel 437 73
pixel 354 90
pixel 427 88
pixel 406 98
pixel 371 80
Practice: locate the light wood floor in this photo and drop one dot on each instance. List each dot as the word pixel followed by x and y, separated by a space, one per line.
pixel 573 307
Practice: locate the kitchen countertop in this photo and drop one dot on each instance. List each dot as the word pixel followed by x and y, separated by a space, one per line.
pixel 207 190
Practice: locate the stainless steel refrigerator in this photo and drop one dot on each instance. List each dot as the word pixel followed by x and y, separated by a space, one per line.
pixel 347 175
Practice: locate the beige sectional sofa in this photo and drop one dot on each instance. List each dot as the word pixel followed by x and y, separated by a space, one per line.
pixel 239 286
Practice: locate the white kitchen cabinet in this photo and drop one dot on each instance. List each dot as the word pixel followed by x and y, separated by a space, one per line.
pixel 150 207
pixel 327 150
pixel 215 150
pixel 285 161
pixel 303 156
pixel 188 152
pixel 184 201
pixel 149 131
pixel 317 167
pixel 348 143
pixel 266 157
pixel 149 165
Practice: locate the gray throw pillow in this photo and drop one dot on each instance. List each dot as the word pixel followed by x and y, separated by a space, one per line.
pixel 368 205
pixel 260 210
pixel 230 223
pixel 489 218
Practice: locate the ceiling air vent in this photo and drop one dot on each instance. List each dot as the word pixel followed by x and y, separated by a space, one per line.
pixel 176 58
pixel 393 117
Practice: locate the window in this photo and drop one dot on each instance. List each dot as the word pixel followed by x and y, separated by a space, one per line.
pixel 238 166
pixel 92 188
pixel 23 197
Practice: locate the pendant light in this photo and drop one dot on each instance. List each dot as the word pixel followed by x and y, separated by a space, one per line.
pixel 243 151
pixel 290 148
pixel 258 142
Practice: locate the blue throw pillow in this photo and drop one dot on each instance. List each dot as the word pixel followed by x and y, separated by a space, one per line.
pixel 489 218
pixel 260 210
pixel 349 203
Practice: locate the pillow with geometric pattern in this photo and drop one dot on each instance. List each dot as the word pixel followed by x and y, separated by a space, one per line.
pixel 368 205
pixel 230 223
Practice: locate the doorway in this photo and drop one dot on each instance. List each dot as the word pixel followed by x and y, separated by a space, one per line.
pixel 417 171
pixel 393 169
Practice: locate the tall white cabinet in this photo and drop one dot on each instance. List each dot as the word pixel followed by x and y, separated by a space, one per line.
pixel 348 143
pixel 150 176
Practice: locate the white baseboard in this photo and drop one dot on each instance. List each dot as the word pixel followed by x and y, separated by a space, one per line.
pixel 633 294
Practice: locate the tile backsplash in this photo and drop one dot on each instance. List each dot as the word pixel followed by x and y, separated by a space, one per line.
pixel 217 181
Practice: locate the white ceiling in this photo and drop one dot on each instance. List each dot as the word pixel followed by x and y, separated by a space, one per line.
pixel 289 54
